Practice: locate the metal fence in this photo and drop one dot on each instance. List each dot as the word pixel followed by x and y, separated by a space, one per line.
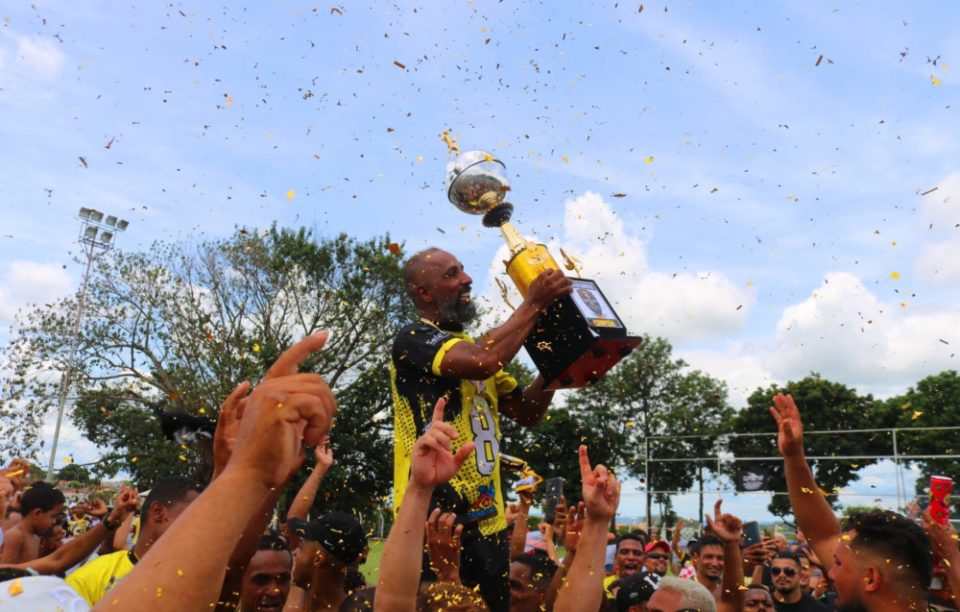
pixel 723 464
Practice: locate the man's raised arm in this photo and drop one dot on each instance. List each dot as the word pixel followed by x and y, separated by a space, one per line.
pixel 498 346
pixel 814 515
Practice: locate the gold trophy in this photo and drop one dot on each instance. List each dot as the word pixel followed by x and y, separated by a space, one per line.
pixel 579 337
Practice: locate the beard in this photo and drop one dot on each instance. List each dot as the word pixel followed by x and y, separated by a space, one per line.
pixel 458 311
pixel 852 606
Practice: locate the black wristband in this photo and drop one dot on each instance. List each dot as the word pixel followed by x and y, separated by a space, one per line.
pixel 109 526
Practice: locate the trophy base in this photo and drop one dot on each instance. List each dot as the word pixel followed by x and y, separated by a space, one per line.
pixel 578 339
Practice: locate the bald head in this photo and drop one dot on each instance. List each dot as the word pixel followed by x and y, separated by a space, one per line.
pixel 439 286
pixel 416 270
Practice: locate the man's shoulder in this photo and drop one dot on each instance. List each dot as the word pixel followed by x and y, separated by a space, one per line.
pixel 421 336
pixel 102 564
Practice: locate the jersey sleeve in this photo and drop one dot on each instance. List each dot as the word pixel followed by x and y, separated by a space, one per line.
pixel 422 347
pixel 506 384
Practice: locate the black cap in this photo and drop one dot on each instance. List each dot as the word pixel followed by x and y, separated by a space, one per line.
pixel 338 532
pixel 634 590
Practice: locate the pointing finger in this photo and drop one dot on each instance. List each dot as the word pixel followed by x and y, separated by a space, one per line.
pixel 290 360
pixel 438 409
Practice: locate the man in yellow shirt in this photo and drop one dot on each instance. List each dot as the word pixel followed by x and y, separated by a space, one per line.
pixel 434 358
pixel 166 501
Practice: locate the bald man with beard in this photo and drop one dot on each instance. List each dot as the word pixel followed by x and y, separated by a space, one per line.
pixel 433 358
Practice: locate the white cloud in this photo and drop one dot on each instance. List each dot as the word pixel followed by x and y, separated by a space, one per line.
pixel 844 332
pixel 742 372
pixel 31 282
pixel 940 261
pixel 39 56
pixel 680 307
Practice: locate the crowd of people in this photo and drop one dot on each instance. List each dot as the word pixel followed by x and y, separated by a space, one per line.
pixel 455 544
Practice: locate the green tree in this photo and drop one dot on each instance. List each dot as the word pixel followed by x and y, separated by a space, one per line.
pixel 644 404
pixel 176 327
pixel 73 472
pixel 933 402
pixel 824 406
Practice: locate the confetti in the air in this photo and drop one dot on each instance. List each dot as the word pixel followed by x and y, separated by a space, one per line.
pixel 934 81
pixel 648 160
pixel 894 275
pixel 291 194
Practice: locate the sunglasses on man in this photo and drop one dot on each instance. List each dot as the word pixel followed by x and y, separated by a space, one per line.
pixel 789 571
pixel 656 556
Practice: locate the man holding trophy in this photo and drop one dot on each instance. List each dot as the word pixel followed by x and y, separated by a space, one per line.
pixel 434 358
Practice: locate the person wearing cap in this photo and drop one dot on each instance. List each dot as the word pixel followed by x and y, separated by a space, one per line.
pixel 655 559
pixel 634 592
pixel 329 545
pixel 434 358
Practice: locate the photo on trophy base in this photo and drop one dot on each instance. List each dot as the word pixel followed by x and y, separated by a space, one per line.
pixel 594 307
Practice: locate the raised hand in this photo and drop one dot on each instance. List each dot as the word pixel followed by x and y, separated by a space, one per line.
pixel 560 518
pixel 323 455
pixel 126 502
pixel 285 412
pixel 943 538
pixel 16 472
pixel 96 508
pixel 789 425
pixel 433 462
pixel 548 286
pixel 443 544
pixel 571 537
pixel 726 526
pixel 228 424
pixel 601 490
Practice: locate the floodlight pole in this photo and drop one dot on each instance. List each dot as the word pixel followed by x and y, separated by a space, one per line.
pixel 92 247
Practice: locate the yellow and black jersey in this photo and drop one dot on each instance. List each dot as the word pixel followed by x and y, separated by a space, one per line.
pixel 474 493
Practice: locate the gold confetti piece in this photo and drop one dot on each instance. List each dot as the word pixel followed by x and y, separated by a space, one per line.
pixel 291 194
pixel 648 160
pixel 182 458
pixel 565 159
pixel 749 283
pixel 159 591
pixel 202 410
pixel 420 158
pixel 399 65
pixel 180 573
pixel 68 459
pixel 806 490
pixel 229 101
pixel 934 81
pixel 15 588
pixel 904 304
pixel 893 243
pixel 916 415
pixel 255 347
pixel 894 275
pixel 133 459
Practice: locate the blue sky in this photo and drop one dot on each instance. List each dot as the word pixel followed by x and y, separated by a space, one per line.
pixel 772 155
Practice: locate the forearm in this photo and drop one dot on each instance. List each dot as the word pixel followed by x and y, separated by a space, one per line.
pixel 814 515
pixel 731 587
pixel 551 549
pixel 583 588
pixel 119 540
pixel 518 539
pixel 951 566
pixel 529 407
pixel 300 507
pixel 244 550
pixel 559 578
pixel 68 555
pixel 168 579
pixel 400 565
pixel 494 349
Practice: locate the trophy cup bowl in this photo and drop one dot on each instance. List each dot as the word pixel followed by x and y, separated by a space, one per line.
pixel 477 184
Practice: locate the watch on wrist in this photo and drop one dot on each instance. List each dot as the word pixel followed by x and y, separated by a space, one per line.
pixel 110 525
